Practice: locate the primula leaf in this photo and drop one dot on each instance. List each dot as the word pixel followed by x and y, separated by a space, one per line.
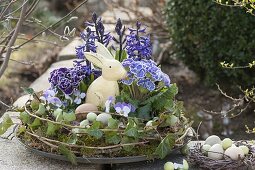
pixel 69 116
pixel 5 124
pixel 68 154
pixel 28 90
pixel 144 111
pixel 112 138
pixel 113 123
pixel 24 117
pixel 51 129
pixel 166 145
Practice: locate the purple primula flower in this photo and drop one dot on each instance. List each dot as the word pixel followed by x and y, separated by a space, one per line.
pixel 124 108
pixel 68 79
pixel 78 96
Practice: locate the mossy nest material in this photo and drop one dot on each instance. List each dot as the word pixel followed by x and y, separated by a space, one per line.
pixel 133 138
pixel 198 159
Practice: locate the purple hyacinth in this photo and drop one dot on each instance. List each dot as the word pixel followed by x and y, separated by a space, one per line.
pixel 120 39
pixel 89 43
pixel 145 73
pixel 138 47
pixel 100 34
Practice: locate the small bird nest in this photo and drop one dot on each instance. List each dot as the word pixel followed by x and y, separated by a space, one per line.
pixel 198 159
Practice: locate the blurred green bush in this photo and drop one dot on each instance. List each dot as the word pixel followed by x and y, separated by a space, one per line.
pixel 205 34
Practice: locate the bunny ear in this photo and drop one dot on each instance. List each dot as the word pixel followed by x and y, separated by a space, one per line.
pixel 95 58
pixel 101 49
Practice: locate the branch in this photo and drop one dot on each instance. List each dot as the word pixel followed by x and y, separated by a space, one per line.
pixel 13 39
pixel 53 25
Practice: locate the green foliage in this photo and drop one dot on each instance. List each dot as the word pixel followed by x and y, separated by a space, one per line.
pixel 112 138
pixel 51 129
pixel 24 117
pixel 68 154
pixel 5 124
pixel 161 100
pixel 95 131
pixel 166 145
pixel 205 34
pixel 28 90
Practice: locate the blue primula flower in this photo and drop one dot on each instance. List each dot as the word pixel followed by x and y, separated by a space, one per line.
pixel 145 73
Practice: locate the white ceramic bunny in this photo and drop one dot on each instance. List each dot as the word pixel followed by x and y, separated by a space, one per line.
pixel 106 85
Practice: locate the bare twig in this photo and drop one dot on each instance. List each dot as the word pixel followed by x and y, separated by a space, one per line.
pixel 13 39
pixel 51 26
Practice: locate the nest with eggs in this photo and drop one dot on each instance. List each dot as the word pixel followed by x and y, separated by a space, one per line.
pixel 198 158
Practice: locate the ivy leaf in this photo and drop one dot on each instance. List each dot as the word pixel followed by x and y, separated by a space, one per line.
pixel 131 129
pixel 24 117
pixel 112 138
pixel 68 154
pixel 132 132
pixel 69 116
pixel 95 131
pixel 36 123
pixel 5 124
pixel 126 139
pixel 51 129
pixel 166 146
pixel 28 90
pixel 144 111
pixel 73 139
pixel 113 123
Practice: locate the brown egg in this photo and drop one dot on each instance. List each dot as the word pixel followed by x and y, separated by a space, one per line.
pixel 82 110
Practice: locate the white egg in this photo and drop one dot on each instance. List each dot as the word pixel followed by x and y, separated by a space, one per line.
pixel 216 152
pixel 212 140
pixel 234 153
pixel 91 116
pixel 245 149
pixel 84 123
pixel 226 143
pixel 103 118
pixel 169 166
pixel 205 148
